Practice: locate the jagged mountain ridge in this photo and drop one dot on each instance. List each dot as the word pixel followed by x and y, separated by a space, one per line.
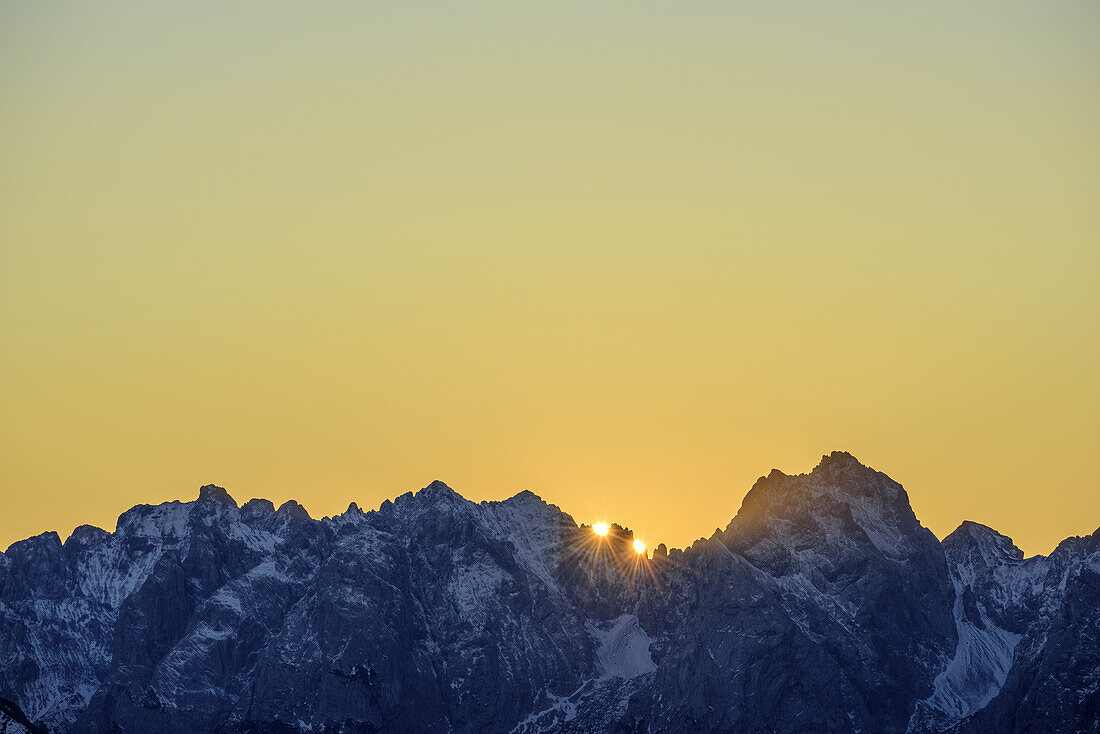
pixel 824 605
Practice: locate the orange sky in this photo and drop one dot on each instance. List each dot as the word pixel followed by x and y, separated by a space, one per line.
pixel 629 257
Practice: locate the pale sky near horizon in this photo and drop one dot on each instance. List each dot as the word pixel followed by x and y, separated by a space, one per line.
pixel 629 256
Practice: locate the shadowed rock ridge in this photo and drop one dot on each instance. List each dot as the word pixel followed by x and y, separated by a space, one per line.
pixel 822 606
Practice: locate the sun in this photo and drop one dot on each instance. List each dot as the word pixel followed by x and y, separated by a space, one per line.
pixel 639 546
pixel 600 528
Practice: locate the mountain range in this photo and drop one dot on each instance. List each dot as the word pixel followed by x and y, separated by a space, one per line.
pixel 823 606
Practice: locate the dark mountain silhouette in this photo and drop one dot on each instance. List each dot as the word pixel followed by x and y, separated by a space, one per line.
pixel 823 606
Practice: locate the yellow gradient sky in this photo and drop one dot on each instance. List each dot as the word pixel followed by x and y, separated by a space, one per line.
pixel 628 255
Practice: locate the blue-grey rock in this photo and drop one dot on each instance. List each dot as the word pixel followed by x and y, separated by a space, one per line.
pixel 823 606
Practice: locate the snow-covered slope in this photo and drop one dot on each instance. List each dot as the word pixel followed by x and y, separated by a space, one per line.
pixel 983 558
pixel 823 606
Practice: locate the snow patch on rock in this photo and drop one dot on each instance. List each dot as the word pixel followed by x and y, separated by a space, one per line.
pixel 977 672
pixel 622 648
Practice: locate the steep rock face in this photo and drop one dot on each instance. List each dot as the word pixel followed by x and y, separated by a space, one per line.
pixel 92 627
pixel 54 640
pixel 823 606
pixel 991 611
pixel 835 595
pixel 1051 606
pixel 14 721
pixel 426 616
pixel 739 661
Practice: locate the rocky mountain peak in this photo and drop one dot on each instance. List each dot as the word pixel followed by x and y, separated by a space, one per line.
pixel 85 536
pixel 257 506
pixel 526 497
pixel 527 507
pixel 1078 546
pixel 838 486
pixel 974 551
pixel 839 460
pixel 46 543
pixel 435 495
pixel 437 490
pixel 212 493
pixel 293 510
pixel 973 536
pixel 842 469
